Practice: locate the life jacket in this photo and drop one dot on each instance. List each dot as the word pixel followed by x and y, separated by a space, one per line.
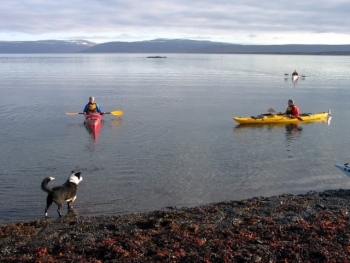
pixel 293 110
pixel 92 108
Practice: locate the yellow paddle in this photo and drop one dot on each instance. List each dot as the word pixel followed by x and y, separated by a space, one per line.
pixel 115 113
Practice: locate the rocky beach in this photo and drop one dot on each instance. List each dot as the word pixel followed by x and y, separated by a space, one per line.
pixel 312 227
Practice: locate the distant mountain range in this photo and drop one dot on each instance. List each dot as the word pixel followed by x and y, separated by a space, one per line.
pixel 161 46
pixel 44 46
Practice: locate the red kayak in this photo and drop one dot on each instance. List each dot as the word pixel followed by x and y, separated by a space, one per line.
pixel 93 123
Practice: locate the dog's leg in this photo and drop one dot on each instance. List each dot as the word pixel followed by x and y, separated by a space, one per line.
pixel 59 210
pixel 49 201
pixel 70 201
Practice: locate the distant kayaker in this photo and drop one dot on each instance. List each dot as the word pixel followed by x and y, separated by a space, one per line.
pixel 295 73
pixel 93 107
pixel 292 110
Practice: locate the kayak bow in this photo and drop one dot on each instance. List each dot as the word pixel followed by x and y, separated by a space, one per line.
pixel 344 167
pixel 93 123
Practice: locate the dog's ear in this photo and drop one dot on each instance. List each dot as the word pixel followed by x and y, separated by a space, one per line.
pixel 73 172
pixel 77 174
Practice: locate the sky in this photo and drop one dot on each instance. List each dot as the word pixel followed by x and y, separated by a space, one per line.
pixel 256 22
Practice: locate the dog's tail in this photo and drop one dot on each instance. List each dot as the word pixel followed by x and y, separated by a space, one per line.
pixel 44 183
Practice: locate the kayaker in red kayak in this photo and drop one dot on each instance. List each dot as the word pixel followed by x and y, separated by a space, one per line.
pixel 292 110
pixel 93 107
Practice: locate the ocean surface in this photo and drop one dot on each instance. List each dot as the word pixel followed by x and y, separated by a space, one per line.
pixel 176 144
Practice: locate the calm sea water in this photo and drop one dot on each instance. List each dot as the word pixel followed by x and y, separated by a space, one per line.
pixel 176 144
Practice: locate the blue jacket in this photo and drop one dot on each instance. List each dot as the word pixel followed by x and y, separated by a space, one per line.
pixel 98 108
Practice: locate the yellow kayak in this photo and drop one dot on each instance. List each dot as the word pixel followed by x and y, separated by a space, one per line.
pixel 283 118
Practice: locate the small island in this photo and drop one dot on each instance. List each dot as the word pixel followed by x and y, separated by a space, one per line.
pixel 156 57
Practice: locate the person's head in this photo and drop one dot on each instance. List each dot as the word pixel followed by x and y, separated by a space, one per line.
pixel 91 99
pixel 290 102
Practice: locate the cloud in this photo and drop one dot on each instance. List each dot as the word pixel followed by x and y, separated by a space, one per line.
pixel 235 20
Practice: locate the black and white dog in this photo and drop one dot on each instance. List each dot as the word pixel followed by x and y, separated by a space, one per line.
pixel 60 194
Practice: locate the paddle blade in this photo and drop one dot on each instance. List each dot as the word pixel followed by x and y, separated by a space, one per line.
pixel 116 113
pixel 73 113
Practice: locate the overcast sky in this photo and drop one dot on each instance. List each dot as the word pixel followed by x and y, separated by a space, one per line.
pixel 232 21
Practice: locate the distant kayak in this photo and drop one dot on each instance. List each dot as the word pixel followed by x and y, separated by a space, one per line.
pixel 283 118
pixel 344 167
pixel 93 123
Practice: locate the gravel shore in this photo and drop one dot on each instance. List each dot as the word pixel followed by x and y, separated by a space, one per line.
pixel 314 227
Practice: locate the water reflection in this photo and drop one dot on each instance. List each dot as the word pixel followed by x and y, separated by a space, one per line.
pixel 71 213
pixel 73 125
pixel 293 133
pixel 294 81
pixel 292 128
pixel 93 133
pixel 269 126
pixel 329 118
pixel 117 124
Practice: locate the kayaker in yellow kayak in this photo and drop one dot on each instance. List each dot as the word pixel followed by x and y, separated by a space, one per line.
pixel 292 110
pixel 93 107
